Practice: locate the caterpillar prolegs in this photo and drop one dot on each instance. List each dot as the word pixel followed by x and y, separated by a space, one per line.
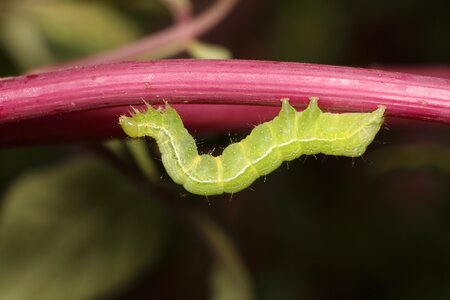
pixel 286 137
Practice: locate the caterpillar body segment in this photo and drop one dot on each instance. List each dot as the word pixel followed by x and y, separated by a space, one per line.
pixel 286 137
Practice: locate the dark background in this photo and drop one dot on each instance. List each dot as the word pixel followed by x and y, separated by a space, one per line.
pixel 375 227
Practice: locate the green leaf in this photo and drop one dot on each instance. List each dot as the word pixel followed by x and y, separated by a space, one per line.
pixel 229 277
pixel 75 231
pixel 83 27
pixel 224 286
pixel 62 29
pixel 208 51
pixel 19 34
pixel 139 151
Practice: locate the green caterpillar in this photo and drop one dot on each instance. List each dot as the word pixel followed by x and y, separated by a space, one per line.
pixel 286 137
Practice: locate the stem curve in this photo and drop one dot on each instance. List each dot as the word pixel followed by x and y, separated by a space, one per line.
pixel 108 88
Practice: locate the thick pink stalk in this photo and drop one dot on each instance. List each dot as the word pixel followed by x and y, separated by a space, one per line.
pixel 212 82
pixel 442 71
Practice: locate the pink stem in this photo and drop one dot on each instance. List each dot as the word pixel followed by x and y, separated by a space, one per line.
pixel 181 11
pixel 235 82
pixel 442 71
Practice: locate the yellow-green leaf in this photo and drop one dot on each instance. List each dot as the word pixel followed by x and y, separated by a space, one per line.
pixel 208 51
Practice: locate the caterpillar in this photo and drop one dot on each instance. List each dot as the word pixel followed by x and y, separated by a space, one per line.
pixel 286 137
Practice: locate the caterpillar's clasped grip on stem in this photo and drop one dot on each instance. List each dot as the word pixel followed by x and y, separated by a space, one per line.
pixel 288 136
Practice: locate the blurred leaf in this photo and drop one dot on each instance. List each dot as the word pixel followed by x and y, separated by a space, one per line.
pixel 207 51
pixel 83 26
pixel 70 28
pixel 142 5
pixel 229 277
pixel 186 4
pixel 139 150
pixel 224 286
pixel 75 231
pixel 170 50
pixel 19 34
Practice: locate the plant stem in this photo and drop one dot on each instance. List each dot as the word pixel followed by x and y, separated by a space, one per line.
pixel 89 90
pixel 176 36
pixel 180 10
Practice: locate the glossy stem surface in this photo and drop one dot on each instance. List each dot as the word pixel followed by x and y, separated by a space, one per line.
pixel 38 98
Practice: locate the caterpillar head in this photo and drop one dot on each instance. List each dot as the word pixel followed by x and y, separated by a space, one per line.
pixel 142 123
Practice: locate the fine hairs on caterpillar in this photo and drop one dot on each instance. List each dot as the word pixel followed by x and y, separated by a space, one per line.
pixel 286 137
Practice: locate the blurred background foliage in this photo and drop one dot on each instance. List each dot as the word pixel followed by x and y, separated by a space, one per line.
pixel 377 227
